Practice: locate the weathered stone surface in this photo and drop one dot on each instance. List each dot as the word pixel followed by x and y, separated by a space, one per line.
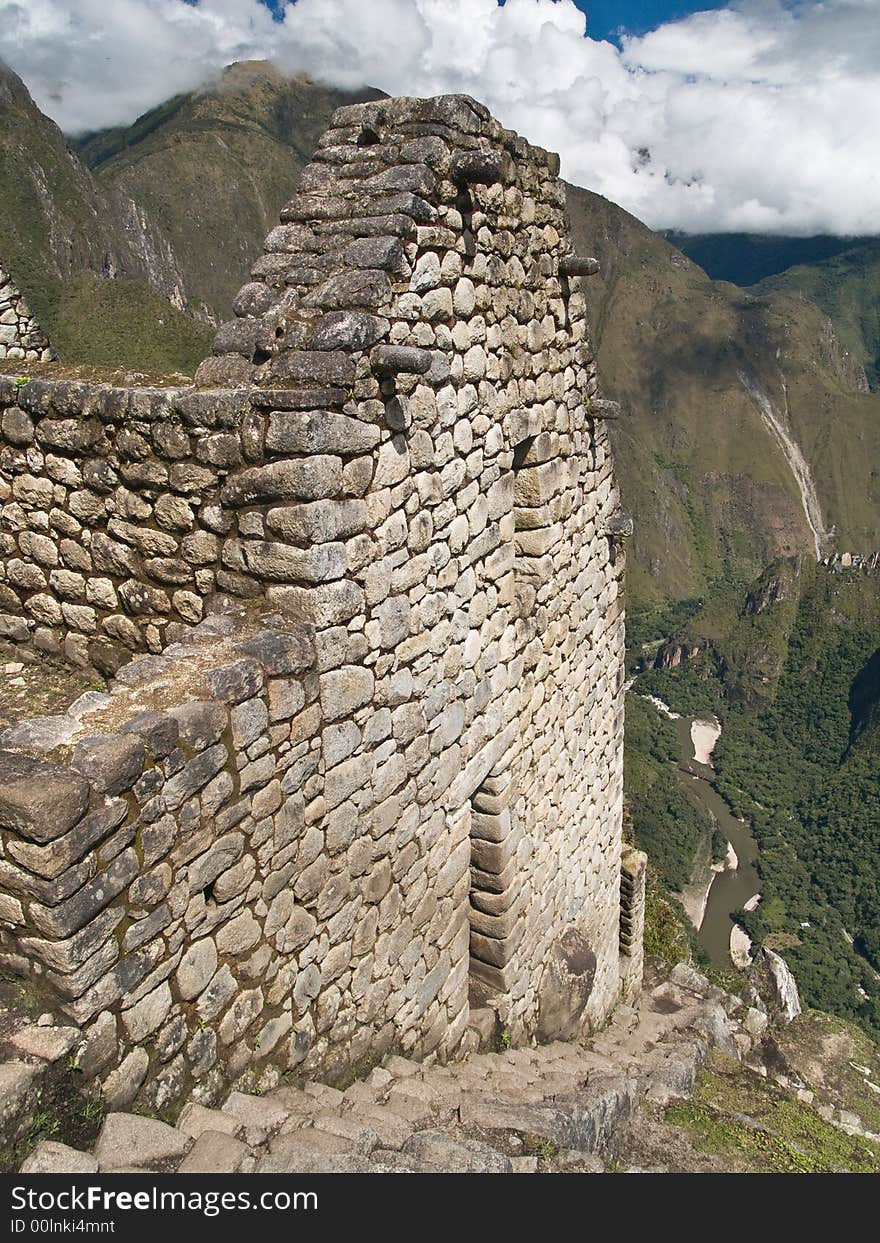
pixel 575 265
pixel 194 776
pixel 345 690
pixel 401 359
pixel 367 288
pixel 319 432
pixel 308 480
pixel 222 855
pixel 195 1120
pixel 199 723
pixel 40 801
pixel 350 330
pixel 47 1043
pixel 19 1085
pixel 214 1153
pixel 121 1087
pixel 110 763
pixel 320 366
pixel 158 731
pixel 308 1151
pixel 49 1157
pixel 772 978
pixel 566 987
pixel 260 1119
pixel 131 1140
pixel 281 652
pixel 480 167
pixel 441 1154
pixel 235 682
pixel 319 522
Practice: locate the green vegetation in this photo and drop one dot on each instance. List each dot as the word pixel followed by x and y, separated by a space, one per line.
pixel 667 824
pixel 690 690
pixel 104 323
pixel 846 286
pixel 735 1112
pixel 720 846
pixel 794 678
pixel 212 169
pixel 97 238
pixel 64 1114
pixel 841 275
pixel 667 933
pixel 647 628
pixel 808 783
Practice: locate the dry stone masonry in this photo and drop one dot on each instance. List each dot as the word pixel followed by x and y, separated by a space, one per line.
pixel 357 786
pixel 20 334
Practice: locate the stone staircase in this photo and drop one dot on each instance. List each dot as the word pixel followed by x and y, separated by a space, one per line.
pixel 554 1108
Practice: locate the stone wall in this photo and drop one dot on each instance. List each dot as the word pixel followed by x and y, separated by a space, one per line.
pixel 21 337
pixel 398 448
pixel 112 524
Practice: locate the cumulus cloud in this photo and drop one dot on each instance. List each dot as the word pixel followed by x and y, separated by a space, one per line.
pixel 760 116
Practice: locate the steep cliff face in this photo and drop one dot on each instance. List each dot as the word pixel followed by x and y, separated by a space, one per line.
pixel 749 434
pixel 55 219
pixel 62 237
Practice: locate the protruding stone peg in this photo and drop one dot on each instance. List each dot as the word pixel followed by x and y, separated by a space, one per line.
pixel 575 265
pixel 602 409
pixel 401 359
pixel 479 168
pixel 619 527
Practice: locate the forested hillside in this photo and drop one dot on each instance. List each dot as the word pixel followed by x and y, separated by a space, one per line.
pixel 794 679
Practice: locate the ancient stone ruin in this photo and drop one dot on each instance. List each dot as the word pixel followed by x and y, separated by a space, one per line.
pixel 20 334
pixel 357 785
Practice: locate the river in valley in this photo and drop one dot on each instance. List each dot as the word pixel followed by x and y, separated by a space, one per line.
pixel 728 891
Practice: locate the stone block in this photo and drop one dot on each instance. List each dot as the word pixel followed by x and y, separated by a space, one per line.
pixel 320 431
pixel 111 763
pixel 134 1141
pixel 49 1157
pixel 214 1152
pixel 40 801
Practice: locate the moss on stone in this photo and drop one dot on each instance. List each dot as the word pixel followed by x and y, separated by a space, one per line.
pixel 735 1111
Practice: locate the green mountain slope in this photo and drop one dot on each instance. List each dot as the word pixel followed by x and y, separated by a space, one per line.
pixel 841 275
pixel 64 240
pixel 131 244
pixel 692 360
pixel 847 288
pixel 214 167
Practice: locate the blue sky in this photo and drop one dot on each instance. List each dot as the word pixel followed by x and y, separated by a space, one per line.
pixel 607 17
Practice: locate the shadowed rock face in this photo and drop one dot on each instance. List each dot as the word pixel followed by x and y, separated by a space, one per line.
pixel 566 987
pixel 773 979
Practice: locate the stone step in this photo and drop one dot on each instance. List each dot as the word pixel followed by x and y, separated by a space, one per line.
pixel 555 1107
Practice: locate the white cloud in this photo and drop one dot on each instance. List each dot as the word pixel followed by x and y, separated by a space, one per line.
pixel 761 116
